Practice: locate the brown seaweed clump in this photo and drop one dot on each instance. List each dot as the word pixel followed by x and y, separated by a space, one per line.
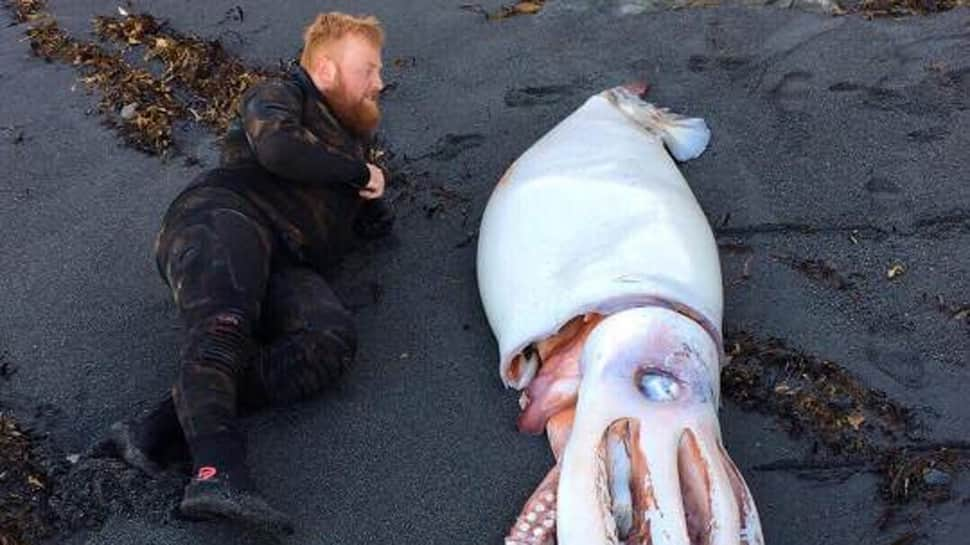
pixel 23 488
pixel 199 82
pixel 25 10
pixel 860 429
pixel 903 8
pixel 922 472
pixel 525 7
pixel 811 396
pixel 140 106
pixel 213 78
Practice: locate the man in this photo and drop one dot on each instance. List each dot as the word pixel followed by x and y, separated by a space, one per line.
pixel 242 248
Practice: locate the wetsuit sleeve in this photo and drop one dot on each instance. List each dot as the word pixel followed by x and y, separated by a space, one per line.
pixel 272 118
pixel 375 220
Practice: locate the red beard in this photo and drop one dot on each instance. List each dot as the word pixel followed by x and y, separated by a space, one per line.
pixel 359 116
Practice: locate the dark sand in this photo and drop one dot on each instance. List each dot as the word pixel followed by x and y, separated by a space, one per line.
pixel 830 123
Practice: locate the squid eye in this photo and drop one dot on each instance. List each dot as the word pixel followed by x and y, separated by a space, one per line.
pixel 657 385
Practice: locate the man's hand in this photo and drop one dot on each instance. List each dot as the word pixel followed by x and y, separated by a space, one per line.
pixel 375 186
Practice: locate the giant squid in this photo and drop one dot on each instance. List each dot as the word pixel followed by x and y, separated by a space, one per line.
pixel 600 279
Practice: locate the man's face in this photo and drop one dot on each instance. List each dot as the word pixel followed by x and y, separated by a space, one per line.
pixel 354 90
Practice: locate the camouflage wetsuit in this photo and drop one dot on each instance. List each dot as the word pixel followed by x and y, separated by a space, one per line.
pixel 242 248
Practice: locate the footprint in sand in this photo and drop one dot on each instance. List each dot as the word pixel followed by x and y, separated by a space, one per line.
pixel 792 92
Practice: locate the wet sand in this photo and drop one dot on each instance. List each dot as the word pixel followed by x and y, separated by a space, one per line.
pixel 836 139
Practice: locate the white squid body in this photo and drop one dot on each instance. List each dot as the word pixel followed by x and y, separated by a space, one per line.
pixel 600 278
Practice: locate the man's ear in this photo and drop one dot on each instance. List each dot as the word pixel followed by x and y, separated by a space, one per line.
pixel 326 72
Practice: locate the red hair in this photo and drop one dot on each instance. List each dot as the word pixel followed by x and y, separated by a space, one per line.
pixel 331 27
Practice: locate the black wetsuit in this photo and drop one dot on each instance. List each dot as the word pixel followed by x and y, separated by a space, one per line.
pixel 242 249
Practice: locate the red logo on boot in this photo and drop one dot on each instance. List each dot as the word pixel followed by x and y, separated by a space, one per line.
pixel 206 473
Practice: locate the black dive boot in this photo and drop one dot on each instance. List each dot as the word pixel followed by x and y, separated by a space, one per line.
pixel 212 494
pixel 224 490
pixel 139 441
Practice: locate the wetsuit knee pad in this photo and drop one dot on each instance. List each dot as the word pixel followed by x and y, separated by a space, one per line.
pixel 221 341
